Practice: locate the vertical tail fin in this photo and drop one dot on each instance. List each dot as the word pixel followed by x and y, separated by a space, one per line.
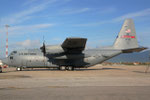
pixel 127 36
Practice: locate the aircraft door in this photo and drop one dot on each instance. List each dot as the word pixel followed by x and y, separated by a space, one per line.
pixel 12 60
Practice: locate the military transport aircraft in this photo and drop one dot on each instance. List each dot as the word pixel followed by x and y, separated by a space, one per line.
pixel 71 53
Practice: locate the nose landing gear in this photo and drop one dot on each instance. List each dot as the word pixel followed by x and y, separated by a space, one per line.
pixel 19 69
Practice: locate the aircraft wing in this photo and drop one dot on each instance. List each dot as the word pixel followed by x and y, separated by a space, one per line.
pixel 74 44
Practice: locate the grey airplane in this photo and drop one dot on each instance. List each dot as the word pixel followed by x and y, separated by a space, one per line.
pixel 72 54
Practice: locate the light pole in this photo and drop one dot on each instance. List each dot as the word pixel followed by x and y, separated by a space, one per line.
pixel 7 39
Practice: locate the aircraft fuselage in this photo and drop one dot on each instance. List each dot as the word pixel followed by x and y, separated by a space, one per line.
pixel 34 58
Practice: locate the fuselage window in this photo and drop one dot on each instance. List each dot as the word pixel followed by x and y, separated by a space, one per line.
pixel 20 53
pixel 29 53
pixel 32 53
pixel 11 57
pixel 25 53
pixel 14 52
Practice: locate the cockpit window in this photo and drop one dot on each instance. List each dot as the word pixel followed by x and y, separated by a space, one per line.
pixel 14 51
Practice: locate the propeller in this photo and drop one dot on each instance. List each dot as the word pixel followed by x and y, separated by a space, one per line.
pixel 43 48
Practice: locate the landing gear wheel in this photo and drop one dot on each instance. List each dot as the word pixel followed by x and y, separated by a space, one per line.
pixel 19 69
pixel 59 68
pixel 66 68
pixel 70 68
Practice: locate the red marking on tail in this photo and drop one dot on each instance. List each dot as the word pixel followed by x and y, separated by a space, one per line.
pixel 128 36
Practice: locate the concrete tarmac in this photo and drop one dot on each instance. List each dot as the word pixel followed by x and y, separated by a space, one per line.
pixel 117 82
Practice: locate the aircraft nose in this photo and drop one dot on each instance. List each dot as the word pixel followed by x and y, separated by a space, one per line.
pixel 5 61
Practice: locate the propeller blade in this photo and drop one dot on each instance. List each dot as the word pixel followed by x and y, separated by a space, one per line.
pixel 43 49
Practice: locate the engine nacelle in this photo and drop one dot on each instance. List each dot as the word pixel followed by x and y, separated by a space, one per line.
pixel 54 49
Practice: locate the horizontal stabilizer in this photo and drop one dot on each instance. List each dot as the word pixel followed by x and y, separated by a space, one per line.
pixel 134 50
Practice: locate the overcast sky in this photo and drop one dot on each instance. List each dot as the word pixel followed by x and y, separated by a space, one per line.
pixel 98 20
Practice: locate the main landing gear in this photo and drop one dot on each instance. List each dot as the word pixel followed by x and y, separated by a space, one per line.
pixel 69 68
